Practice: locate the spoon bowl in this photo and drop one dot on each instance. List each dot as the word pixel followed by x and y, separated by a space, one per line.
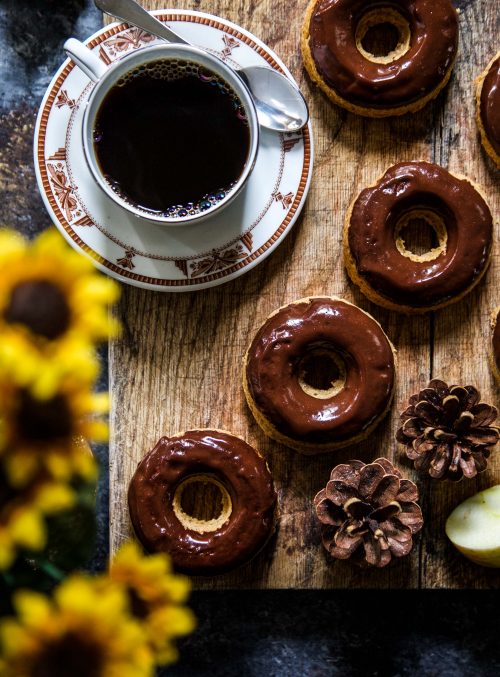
pixel 280 105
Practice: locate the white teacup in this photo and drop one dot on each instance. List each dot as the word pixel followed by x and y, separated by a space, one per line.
pixel 105 77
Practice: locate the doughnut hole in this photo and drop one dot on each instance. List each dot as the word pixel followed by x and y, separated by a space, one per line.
pixel 322 371
pixel 383 35
pixel 420 235
pixel 202 503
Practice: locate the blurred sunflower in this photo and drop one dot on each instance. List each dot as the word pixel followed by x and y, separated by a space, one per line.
pixel 156 596
pixel 53 307
pixel 45 435
pixel 84 631
pixel 22 516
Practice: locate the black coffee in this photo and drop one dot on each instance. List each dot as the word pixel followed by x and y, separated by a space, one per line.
pixel 171 137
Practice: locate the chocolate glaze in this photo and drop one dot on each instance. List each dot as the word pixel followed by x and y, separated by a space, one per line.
pixel 468 222
pixel 283 340
pixel 490 105
pixel 237 466
pixel 496 341
pixel 433 46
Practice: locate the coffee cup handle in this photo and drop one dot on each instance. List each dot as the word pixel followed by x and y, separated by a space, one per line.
pixel 85 59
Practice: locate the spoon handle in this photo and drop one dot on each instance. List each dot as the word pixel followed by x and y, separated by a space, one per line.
pixel 131 12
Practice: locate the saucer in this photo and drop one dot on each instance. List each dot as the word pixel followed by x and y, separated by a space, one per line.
pixel 141 252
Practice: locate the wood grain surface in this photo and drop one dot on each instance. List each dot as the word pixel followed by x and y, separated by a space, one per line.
pixel 177 365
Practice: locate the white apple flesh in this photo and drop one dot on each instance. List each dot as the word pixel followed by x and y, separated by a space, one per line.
pixel 474 527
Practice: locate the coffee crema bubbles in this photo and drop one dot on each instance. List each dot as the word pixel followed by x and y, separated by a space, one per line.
pixel 171 138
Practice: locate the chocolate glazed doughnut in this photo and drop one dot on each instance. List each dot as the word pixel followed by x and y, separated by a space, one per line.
pixel 248 498
pixel 401 81
pixel 374 251
pixel 308 334
pixel 488 108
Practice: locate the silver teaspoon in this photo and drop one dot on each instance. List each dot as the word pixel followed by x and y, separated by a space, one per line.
pixel 280 105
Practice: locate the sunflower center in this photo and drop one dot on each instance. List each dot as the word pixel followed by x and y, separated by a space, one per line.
pixel 41 306
pixel 138 607
pixel 42 421
pixel 71 655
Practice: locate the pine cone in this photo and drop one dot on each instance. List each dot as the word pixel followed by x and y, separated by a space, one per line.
pixel 447 431
pixel 368 513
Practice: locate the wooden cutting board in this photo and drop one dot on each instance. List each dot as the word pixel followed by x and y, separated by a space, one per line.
pixel 177 365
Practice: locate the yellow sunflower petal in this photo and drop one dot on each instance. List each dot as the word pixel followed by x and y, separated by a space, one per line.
pixel 129 552
pixel 53 497
pixel 74 405
pixel 98 289
pixel 100 403
pixel 35 360
pixel 92 612
pixel 174 621
pixel 85 465
pixel 81 595
pixel 49 377
pixel 98 431
pixel 21 467
pixel 12 636
pixel 32 607
pixel 150 577
pixel 179 589
pixel 156 565
pixel 167 656
pixel 28 529
pixel 7 552
pixel 59 464
pixel 11 244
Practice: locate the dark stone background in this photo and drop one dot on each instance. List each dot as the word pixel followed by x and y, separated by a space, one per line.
pixel 247 634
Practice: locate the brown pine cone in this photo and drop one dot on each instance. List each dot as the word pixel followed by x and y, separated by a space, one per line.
pixel 447 431
pixel 368 513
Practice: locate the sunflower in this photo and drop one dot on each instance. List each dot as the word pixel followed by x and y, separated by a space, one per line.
pixel 84 631
pixel 45 435
pixel 53 308
pixel 155 597
pixel 22 515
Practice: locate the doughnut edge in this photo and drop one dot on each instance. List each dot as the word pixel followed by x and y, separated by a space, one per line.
pixel 272 529
pixel 315 76
pixel 309 448
pixel 382 301
pixel 485 142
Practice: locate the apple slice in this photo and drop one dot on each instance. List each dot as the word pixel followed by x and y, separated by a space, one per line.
pixel 474 527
